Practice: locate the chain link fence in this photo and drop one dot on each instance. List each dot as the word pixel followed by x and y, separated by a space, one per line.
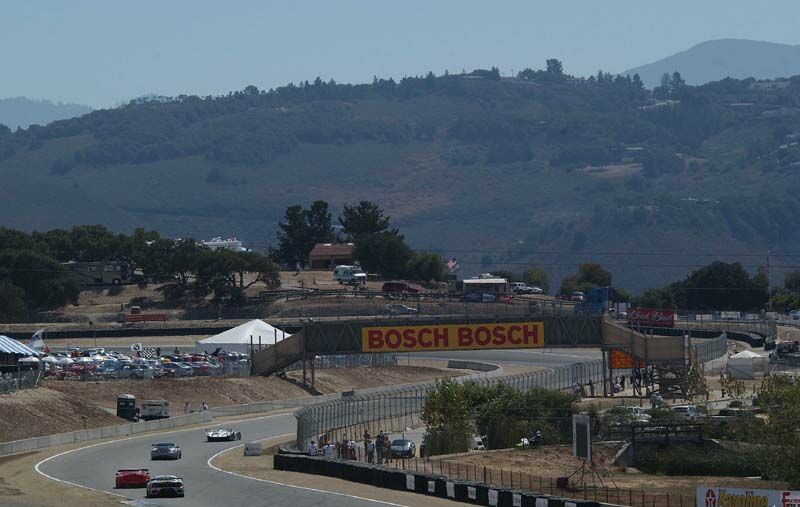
pixel 12 382
pixel 398 409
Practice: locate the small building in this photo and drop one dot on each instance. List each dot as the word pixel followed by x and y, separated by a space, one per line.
pixel 330 255
pixel 493 286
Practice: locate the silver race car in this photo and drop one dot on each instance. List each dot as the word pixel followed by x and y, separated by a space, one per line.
pixel 223 435
pixel 165 450
pixel 165 485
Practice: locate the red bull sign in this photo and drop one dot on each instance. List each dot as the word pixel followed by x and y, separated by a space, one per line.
pixel 740 497
pixel 516 335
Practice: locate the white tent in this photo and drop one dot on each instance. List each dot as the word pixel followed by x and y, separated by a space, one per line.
pixel 745 364
pixel 238 338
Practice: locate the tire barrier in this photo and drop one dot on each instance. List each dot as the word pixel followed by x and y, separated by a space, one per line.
pixel 470 492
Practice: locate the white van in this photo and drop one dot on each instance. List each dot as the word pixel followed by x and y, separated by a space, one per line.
pixel 154 409
pixel 252 449
pixel 350 275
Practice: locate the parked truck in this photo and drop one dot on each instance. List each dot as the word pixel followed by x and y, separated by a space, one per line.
pixel 154 409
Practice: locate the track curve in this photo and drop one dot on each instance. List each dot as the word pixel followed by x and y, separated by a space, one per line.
pixel 93 466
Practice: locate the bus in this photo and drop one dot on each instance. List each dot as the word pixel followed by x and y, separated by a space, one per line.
pixel 100 272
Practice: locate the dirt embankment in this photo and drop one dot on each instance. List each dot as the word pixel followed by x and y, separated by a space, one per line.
pixel 36 412
pixel 60 406
pixel 346 379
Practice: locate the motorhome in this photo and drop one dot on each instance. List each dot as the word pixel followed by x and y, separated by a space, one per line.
pixel 350 275
pixel 154 409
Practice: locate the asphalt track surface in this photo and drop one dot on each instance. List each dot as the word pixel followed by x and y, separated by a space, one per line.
pixel 94 466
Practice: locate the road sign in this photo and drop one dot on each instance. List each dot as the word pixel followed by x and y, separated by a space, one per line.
pixel 136 347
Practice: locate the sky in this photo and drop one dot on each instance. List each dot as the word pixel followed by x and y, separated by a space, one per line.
pixel 102 53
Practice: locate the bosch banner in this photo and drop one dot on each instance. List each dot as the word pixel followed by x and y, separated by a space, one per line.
pixel 739 497
pixel 516 335
pixel 649 317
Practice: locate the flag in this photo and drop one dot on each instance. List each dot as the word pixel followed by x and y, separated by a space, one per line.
pixel 452 265
pixel 36 340
pixel 149 353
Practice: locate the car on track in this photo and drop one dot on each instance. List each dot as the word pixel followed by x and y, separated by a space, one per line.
pixel 166 450
pixel 165 485
pixel 402 448
pixel 398 309
pixel 223 435
pixel 132 478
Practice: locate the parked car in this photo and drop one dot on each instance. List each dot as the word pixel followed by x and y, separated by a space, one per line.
pixel 475 297
pixel 201 368
pixel 223 434
pixel 687 412
pixel 623 415
pixel 728 415
pixel 165 485
pixel 402 448
pixel 398 309
pixel 186 369
pixel 794 315
pixel 171 370
pixel 399 288
pixel 477 444
pixel 132 478
pixel 165 450
pixel 524 288
pixel 577 296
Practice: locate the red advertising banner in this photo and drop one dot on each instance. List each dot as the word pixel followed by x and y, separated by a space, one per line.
pixel 621 360
pixel 650 317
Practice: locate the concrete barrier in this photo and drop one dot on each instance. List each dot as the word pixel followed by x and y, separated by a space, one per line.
pixel 122 430
pixel 472 365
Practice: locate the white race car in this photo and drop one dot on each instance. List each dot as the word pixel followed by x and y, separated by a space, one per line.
pixel 223 434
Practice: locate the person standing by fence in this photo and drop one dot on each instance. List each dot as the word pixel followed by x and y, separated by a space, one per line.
pixel 379 447
pixel 370 451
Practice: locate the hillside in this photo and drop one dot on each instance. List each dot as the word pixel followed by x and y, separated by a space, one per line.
pixel 717 59
pixel 22 112
pixel 543 169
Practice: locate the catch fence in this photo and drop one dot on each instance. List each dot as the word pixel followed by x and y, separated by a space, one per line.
pixel 398 409
pixel 13 382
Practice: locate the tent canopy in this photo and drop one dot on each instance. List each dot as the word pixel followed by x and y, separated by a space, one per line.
pixel 11 346
pixel 237 339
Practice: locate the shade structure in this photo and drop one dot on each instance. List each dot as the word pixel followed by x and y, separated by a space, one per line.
pixel 29 359
pixel 237 339
pixel 746 364
pixel 65 360
pixel 49 359
pixel 12 346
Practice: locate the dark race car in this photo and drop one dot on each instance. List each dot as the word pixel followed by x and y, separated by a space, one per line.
pixel 132 478
pixel 223 435
pixel 165 485
pixel 165 450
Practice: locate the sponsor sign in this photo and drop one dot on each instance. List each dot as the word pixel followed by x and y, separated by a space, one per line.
pixel 581 437
pixel 621 360
pixel 651 318
pixel 516 335
pixel 708 496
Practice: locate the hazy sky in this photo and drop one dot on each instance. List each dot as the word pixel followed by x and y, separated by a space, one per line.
pixel 101 52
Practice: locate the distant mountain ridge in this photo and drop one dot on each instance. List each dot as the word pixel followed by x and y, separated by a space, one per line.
pixel 717 59
pixel 24 112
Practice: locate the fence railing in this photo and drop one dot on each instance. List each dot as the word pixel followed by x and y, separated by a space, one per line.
pixel 396 409
pixel 12 382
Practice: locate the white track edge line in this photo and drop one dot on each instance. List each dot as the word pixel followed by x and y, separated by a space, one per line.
pixel 63 481
pixel 293 486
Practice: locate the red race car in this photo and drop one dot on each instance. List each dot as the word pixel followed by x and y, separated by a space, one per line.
pixel 132 478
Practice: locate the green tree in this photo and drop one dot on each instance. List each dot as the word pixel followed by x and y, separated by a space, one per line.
pixel 589 276
pixel 383 252
pixel 318 220
pixel 293 236
pixel 365 218
pixel 537 277
pixel 446 417
pixel 555 67
pixel 426 267
pixel 12 302
pixel 792 281
pixel 44 280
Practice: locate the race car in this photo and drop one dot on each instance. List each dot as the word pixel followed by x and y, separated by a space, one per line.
pixel 223 434
pixel 132 478
pixel 165 450
pixel 165 485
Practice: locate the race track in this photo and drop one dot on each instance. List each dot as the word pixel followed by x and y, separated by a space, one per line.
pixel 94 466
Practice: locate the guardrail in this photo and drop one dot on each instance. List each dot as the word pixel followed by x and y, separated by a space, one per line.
pixel 73 437
pixel 398 408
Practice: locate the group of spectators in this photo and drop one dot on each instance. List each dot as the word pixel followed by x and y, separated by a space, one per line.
pixel 377 451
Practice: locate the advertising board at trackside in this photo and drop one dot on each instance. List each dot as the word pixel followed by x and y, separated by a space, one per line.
pixel 651 317
pixel 516 335
pixel 710 496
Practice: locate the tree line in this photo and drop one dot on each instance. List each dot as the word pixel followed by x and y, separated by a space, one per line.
pixel 378 247
pixel 34 278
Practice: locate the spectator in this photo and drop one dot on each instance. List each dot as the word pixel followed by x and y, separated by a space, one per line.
pixel 387 448
pixel 312 448
pixel 344 451
pixel 327 451
pixel 591 388
pixel 203 407
pixel 187 408
pixel 351 448
pixel 379 447
pixel 370 451
pixel 622 381
pixel 367 438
